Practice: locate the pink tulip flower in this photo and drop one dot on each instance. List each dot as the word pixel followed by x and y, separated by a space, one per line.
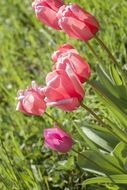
pixel 46 11
pixel 65 55
pixel 64 89
pixel 58 140
pixel 66 48
pixel 77 23
pixel 31 101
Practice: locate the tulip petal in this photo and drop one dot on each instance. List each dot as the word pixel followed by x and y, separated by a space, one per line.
pixel 75 28
pixel 47 16
pixel 58 140
pixel 60 102
pixel 79 12
pixel 31 100
pixel 52 79
pixel 53 94
pixel 54 4
pixel 66 27
pixel 76 83
pixel 69 104
pixel 80 67
pixel 83 15
pixel 66 48
pixel 64 147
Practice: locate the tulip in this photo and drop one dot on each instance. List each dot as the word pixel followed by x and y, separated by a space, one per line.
pixel 66 48
pixel 63 89
pixel 77 23
pixel 58 140
pixel 31 101
pixel 69 55
pixel 46 11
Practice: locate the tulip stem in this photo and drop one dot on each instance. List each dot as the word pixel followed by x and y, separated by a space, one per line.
pixel 94 52
pixel 119 134
pixel 106 49
pixel 110 56
pixel 51 117
pixel 92 161
pixel 94 115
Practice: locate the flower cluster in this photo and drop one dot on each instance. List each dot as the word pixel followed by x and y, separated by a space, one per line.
pixel 63 88
pixel 64 84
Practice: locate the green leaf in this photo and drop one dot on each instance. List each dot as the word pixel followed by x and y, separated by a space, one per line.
pixel 105 80
pixel 116 110
pixel 113 90
pixel 100 163
pixel 118 179
pixel 115 75
pixel 96 137
pixel 120 83
pixel 89 143
pixel 120 152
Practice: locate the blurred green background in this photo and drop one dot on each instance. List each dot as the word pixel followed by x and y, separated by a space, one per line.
pixel 25 55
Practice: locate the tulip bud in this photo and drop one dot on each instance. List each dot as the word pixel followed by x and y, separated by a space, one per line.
pixel 58 140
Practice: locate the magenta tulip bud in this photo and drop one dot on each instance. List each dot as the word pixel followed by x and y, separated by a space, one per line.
pixel 31 101
pixel 70 56
pixel 58 140
pixel 63 89
pixel 46 11
pixel 77 23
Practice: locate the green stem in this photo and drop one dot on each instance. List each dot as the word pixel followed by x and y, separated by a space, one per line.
pixel 94 52
pixel 119 134
pixel 106 49
pixel 112 58
pixel 92 161
pixel 51 117
pixel 94 115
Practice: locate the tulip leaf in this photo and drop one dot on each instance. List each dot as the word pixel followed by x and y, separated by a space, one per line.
pixel 115 75
pixel 110 82
pixel 118 179
pixel 120 152
pixel 100 139
pixel 125 164
pixel 108 100
pixel 105 80
pixel 85 139
pixel 114 90
pixel 120 84
pixel 100 163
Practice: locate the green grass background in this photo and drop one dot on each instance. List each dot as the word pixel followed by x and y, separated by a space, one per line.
pixel 25 55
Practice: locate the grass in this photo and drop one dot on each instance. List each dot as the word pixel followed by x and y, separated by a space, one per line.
pixel 25 55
